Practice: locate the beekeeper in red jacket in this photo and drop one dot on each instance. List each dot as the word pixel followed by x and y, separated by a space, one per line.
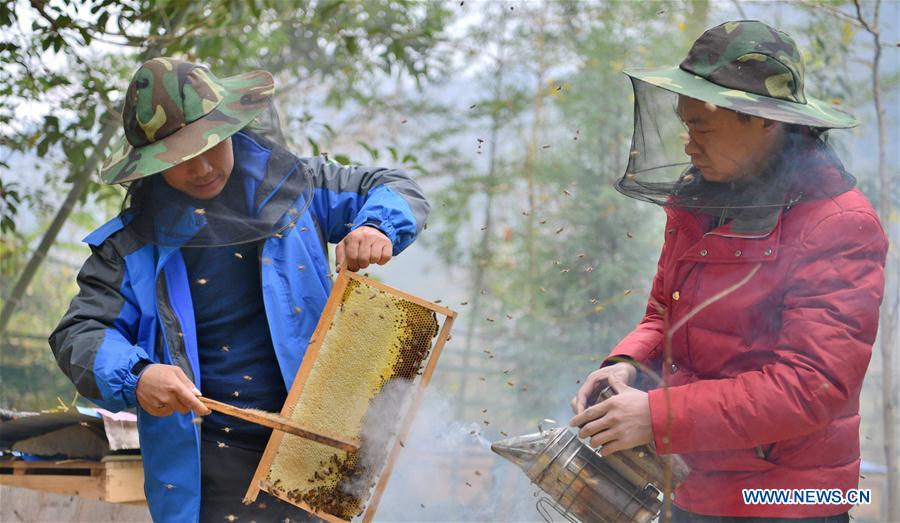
pixel 764 307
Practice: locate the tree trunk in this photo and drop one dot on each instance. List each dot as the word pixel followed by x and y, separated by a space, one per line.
pixel 79 185
pixel 531 158
pixel 888 334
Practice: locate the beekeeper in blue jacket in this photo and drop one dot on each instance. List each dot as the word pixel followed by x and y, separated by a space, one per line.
pixel 213 277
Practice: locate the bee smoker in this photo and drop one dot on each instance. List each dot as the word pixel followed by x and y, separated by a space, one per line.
pixel 584 486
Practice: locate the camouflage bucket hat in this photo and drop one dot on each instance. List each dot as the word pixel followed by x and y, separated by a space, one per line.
pixel 751 68
pixel 176 110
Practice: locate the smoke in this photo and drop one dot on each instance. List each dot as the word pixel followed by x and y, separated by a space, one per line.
pixel 447 472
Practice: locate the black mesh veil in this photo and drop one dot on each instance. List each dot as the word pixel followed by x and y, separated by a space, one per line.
pixel 660 171
pixel 269 188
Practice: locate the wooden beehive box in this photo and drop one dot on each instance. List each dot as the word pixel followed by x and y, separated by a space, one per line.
pixel 114 480
pixel 372 354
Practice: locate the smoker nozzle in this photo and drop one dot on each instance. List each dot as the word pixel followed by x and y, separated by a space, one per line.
pixel 524 450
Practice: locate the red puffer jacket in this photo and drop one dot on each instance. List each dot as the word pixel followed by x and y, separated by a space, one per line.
pixel 771 335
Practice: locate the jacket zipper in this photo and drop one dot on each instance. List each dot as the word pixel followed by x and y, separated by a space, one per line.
pixel 171 324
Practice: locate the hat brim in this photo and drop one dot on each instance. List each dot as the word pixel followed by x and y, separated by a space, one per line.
pixel 244 97
pixel 814 113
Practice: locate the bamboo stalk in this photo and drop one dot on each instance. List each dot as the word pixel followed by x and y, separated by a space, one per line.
pixel 277 422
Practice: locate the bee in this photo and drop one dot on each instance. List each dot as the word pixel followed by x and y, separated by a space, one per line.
pixel 248 378
pixel 239 256
pixel 221 445
pixel 200 211
pixel 560 230
pixel 202 281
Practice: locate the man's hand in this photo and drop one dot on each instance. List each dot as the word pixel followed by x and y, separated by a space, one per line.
pixel 163 389
pixel 363 247
pixel 598 379
pixel 619 423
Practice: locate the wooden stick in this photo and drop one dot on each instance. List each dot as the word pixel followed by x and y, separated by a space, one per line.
pixel 274 421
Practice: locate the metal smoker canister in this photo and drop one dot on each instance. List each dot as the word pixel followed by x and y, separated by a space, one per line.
pixel 584 486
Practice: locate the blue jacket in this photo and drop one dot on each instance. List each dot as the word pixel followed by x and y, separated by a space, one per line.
pixel 134 304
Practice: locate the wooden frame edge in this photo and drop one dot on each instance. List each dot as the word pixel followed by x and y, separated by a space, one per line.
pixel 406 296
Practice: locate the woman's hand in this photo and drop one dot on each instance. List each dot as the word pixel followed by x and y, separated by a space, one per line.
pixel 163 389
pixel 598 380
pixel 619 423
pixel 363 247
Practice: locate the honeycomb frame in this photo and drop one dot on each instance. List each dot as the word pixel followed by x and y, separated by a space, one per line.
pixel 408 357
